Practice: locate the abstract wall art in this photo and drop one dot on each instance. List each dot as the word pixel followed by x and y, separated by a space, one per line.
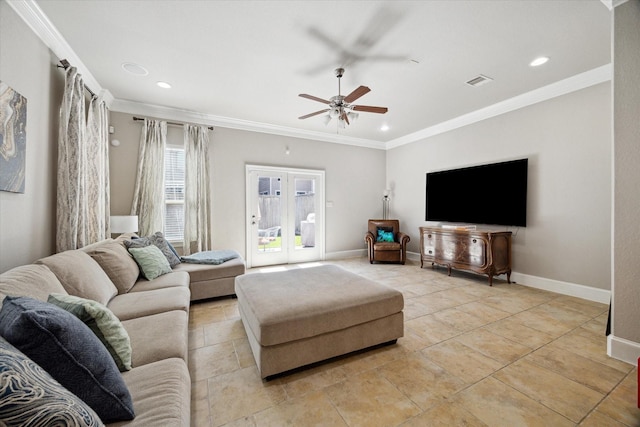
pixel 13 139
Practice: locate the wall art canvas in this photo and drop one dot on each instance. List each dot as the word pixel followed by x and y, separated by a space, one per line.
pixel 13 139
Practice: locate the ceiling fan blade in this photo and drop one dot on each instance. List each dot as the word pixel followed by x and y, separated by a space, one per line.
pixel 314 114
pixel 344 117
pixel 314 98
pixel 357 93
pixel 369 109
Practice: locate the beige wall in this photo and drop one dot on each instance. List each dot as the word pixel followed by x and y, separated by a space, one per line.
pixel 568 143
pixel 626 245
pixel 27 221
pixel 354 179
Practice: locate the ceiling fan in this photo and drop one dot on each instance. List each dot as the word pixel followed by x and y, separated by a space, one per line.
pixel 341 107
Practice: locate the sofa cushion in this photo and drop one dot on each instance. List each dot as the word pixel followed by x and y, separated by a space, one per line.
pixel 139 304
pixel 151 261
pixel 170 280
pixel 81 275
pixel 67 349
pixel 102 322
pixel 161 394
pixel 35 281
pixel 119 265
pixel 204 272
pixel 157 240
pixel 151 343
pixel 30 396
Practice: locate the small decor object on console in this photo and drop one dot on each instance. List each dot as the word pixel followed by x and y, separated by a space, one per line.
pixel 13 139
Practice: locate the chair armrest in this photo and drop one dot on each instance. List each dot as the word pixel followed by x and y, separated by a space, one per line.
pixel 369 238
pixel 403 238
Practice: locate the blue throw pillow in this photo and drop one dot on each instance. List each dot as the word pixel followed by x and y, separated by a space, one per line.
pixel 30 397
pixel 385 234
pixel 67 349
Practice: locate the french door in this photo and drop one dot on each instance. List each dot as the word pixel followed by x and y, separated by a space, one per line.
pixel 285 215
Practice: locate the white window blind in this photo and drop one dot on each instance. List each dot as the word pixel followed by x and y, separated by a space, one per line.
pixel 174 193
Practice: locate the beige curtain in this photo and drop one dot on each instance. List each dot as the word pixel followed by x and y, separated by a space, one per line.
pixel 197 201
pixel 148 194
pixel 97 171
pixel 82 205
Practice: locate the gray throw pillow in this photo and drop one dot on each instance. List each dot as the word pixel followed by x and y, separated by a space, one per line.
pixel 30 397
pixel 158 240
pixel 67 349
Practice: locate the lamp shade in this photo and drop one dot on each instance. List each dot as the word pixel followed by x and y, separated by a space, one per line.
pixel 124 223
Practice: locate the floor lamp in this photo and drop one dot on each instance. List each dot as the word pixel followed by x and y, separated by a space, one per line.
pixel 385 204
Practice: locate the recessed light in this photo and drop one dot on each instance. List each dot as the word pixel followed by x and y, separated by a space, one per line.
pixel 135 69
pixel 384 128
pixel 164 85
pixel 539 61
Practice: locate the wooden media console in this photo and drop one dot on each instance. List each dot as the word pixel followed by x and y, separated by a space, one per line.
pixel 484 252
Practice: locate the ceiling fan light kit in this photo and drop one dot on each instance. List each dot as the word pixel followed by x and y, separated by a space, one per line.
pixel 341 107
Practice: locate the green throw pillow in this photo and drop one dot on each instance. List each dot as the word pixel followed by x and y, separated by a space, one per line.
pixel 151 261
pixel 102 322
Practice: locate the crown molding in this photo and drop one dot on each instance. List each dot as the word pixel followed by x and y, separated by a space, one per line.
pixel 612 4
pixel 559 88
pixel 40 24
pixel 169 113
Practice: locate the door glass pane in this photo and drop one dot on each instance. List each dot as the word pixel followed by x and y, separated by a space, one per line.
pixel 305 213
pixel 269 214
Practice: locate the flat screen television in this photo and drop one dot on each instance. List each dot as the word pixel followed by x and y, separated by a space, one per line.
pixel 492 194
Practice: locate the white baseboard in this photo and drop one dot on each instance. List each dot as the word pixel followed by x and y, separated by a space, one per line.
pixel 565 288
pixel 345 254
pixel 621 349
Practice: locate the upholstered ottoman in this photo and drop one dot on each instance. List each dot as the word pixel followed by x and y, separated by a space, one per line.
pixel 301 316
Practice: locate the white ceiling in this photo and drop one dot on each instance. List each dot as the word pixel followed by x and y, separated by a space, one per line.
pixel 245 62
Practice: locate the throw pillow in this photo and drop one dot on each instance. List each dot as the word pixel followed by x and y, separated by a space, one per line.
pixel 67 349
pixel 158 240
pixel 102 322
pixel 151 261
pixel 118 264
pixel 81 275
pixel 385 234
pixel 29 396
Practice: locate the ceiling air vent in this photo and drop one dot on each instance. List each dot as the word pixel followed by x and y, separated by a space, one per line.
pixel 479 81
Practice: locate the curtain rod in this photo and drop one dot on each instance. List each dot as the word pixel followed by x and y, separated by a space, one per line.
pixel 65 65
pixel 135 119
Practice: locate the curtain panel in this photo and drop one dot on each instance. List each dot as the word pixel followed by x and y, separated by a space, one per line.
pixel 148 194
pixel 82 195
pixel 97 171
pixel 197 201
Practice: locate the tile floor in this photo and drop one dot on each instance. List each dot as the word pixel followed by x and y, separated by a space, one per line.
pixel 472 355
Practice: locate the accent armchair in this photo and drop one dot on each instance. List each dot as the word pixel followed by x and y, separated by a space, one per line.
pixel 385 242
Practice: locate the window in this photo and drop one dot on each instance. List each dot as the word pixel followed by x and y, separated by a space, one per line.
pixel 174 193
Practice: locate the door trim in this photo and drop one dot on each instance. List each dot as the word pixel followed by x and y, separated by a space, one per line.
pixel 248 195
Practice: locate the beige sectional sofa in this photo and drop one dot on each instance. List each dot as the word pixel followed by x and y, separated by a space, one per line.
pixel 154 313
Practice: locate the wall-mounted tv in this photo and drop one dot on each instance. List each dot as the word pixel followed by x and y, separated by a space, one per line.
pixel 493 194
